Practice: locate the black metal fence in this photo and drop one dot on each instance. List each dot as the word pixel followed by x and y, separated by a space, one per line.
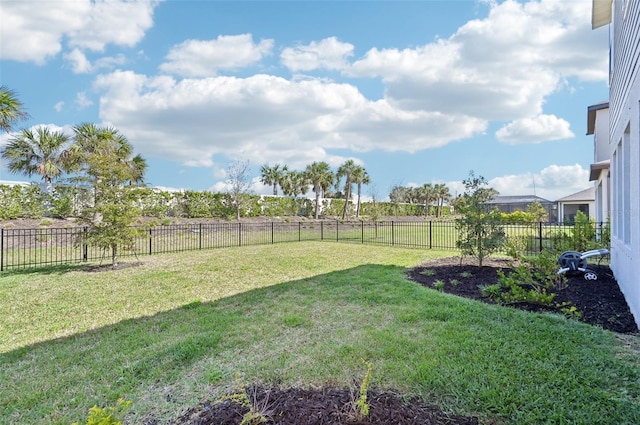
pixel 24 248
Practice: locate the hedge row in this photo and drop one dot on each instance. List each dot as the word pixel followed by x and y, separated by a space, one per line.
pixel 64 201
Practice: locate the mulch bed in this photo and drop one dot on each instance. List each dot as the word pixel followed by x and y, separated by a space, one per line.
pixel 599 301
pixel 327 406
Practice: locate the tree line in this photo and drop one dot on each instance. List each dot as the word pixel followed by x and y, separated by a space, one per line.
pixel 323 181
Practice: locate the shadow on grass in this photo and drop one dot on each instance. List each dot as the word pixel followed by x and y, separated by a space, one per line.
pixel 443 347
pixel 101 365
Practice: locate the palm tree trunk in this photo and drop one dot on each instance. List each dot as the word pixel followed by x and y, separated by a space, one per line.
pixel 358 204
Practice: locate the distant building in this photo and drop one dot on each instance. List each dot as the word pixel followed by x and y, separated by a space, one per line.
pixel 599 172
pixel 13 183
pixel 584 201
pixel 509 204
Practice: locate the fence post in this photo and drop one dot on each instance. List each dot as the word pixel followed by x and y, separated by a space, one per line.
pixel 85 247
pixel 272 238
pixel 362 231
pixel 540 235
pixel 239 234
pixel 393 234
pixel 321 230
pixel 150 241
pixel 299 231
pixel 1 249
pixel 200 235
pixel 430 234
pixel 337 234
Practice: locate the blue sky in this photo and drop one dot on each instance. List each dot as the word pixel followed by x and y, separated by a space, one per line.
pixel 416 92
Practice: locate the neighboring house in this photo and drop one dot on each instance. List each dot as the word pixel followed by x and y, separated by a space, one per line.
pixel 509 204
pixel 13 183
pixel 598 126
pixel 624 141
pixel 569 206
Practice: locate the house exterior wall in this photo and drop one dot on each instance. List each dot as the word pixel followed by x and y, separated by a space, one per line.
pixel 601 135
pixel 624 151
pixel 602 202
pixel 602 150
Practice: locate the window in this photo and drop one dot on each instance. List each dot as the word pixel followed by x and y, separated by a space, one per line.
pixel 626 183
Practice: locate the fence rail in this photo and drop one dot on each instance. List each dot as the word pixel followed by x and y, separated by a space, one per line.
pixel 25 248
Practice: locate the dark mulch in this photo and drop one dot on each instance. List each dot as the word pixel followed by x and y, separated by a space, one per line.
pixel 600 301
pixel 328 406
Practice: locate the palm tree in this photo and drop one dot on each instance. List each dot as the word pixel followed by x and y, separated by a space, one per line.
pixel 442 194
pixel 320 176
pixel 346 170
pixel 360 177
pixel 138 166
pixel 294 183
pixel 11 109
pixel 39 152
pixel 426 195
pixel 91 140
pixel 273 176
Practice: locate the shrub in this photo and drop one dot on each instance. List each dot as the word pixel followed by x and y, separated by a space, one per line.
pixel 107 415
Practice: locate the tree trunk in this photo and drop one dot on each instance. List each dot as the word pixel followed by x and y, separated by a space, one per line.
pixel 317 203
pixel 114 255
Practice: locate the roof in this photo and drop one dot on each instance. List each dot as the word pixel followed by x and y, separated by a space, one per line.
pixel 518 199
pixel 595 169
pixel 591 115
pixel 582 196
pixel 14 183
pixel 600 13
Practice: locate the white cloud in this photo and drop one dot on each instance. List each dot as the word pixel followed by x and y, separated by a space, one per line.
pixel 501 67
pixel 535 130
pixel 123 23
pixel 78 61
pixel 329 53
pixel 35 33
pixel 81 65
pixel 255 187
pixel 82 100
pixel 59 106
pixel 267 118
pixel 204 58
pixel 552 182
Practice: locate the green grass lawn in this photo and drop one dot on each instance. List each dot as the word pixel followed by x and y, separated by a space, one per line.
pixel 182 327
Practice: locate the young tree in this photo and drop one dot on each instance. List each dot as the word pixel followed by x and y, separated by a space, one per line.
pixel 480 230
pixel 537 211
pixel 239 182
pixel 106 165
pixel 321 178
pixel 11 109
pixel 40 152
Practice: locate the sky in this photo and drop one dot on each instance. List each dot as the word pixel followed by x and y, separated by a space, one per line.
pixel 414 91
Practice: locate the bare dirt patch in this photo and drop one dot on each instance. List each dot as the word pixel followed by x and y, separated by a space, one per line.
pixel 326 406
